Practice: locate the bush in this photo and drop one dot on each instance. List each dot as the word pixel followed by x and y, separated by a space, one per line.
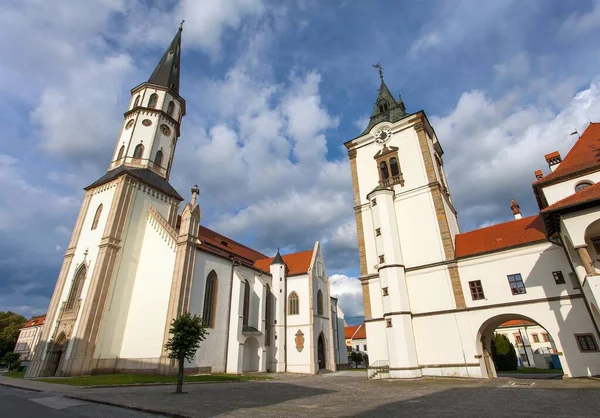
pixel 12 360
pixel 503 353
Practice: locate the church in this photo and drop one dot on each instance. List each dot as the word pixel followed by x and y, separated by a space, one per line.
pixel 434 296
pixel 134 263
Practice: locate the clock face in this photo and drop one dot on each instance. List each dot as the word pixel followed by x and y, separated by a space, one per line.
pixel 382 136
pixel 129 124
pixel 165 130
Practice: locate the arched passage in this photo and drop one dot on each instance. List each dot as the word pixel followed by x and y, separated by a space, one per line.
pixel 321 352
pixel 534 346
pixel 251 361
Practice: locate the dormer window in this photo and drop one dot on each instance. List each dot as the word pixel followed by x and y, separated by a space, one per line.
pixel 383 106
pixel 153 101
pixel 583 185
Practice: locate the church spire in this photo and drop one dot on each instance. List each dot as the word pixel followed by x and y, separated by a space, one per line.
pixel 166 72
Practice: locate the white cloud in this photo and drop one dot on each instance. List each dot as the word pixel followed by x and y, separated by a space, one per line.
pixel 581 23
pixel 425 42
pixel 349 293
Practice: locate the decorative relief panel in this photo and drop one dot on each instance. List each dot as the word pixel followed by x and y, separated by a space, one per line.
pixel 299 341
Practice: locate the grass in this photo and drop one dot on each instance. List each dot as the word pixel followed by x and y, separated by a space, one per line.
pixel 532 370
pixel 17 375
pixel 136 379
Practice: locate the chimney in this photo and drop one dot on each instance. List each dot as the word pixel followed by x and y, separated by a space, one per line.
pixel 539 174
pixel 553 159
pixel 515 209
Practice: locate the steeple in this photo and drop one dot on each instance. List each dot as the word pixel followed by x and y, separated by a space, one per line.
pixel 386 108
pixel 166 72
pixel 278 259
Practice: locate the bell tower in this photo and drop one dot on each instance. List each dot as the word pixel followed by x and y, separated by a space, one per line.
pixel 88 313
pixel 405 222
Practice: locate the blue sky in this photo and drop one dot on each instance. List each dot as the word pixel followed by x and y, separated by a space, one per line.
pixel 273 90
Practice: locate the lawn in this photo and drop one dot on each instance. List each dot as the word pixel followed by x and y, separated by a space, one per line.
pixel 532 370
pixel 18 375
pixel 136 379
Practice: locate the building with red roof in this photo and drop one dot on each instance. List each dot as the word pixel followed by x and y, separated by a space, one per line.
pixel 29 336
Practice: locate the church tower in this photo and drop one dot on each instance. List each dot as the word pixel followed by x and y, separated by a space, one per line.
pixel 405 222
pixel 90 317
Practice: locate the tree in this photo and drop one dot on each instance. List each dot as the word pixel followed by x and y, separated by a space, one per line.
pixel 354 358
pixel 503 353
pixel 12 360
pixel 10 325
pixel 187 332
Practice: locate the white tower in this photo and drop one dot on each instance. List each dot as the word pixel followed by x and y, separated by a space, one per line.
pixel 278 274
pixel 88 312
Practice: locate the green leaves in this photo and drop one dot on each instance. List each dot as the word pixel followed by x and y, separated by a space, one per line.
pixel 10 323
pixel 187 332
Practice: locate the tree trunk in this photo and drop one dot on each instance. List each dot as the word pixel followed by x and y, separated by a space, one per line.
pixel 180 374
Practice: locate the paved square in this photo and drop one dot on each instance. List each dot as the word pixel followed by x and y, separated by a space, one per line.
pixel 350 394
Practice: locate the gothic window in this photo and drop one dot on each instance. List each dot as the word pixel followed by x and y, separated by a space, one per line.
pixel 153 101
pixel 158 159
pixel 139 151
pixel 121 152
pixel 246 302
pixel 210 300
pixel 76 287
pixel 319 302
pixel 171 108
pixel 97 217
pixel 394 166
pixel 293 304
pixel 384 170
pixel 137 101
pixel 268 320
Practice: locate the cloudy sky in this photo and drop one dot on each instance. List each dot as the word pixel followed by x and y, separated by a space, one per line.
pixel 273 90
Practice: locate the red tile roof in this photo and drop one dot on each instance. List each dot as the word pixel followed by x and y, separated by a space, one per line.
pixel 584 155
pixel 516 323
pixel 297 263
pixel 349 331
pixel 361 333
pixel 36 320
pixel 219 244
pixel 588 194
pixel 501 236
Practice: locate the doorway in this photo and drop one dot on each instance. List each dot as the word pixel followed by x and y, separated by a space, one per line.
pixel 55 355
pixel 321 352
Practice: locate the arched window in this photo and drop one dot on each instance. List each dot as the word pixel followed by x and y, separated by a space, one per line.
pixel 171 108
pixel 138 152
pixel 76 287
pixel 583 185
pixel 137 101
pixel 319 302
pixel 246 302
pixel 153 101
pixel 384 170
pixel 394 166
pixel 383 106
pixel 293 304
pixel 121 152
pixel 158 159
pixel 97 217
pixel 210 300
pixel 268 320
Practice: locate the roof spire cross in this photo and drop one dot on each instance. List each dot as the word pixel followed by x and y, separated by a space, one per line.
pixel 181 24
pixel 380 68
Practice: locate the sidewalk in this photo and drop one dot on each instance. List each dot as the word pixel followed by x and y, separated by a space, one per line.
pixel 36 386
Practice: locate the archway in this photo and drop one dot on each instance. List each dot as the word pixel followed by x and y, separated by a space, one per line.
pixel 251 358
pixel 55 355
pixel 322 359
pixel 534 347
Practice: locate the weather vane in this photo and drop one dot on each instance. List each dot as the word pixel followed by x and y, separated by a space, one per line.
pixel 380 68
pixel 181 24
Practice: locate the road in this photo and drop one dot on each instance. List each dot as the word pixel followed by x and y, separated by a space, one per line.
pixel 25 403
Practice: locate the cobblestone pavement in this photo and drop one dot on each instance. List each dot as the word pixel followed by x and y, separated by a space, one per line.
pixel 348 394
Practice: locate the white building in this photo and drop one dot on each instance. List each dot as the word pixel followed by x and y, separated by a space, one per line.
pixel 29 336
pixel 532 343
pixel 433 296
pixel 356 338
pixel 134 264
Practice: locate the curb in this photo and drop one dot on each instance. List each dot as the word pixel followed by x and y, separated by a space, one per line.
pixel 21 387
pixel 133 408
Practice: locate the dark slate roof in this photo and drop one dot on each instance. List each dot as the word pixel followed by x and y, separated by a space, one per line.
pixel 278 259
pixel 395 112
pixel 166 72
pixel 144 175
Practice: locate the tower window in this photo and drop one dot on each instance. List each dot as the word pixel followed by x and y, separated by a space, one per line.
pixel 377 232
pixel 383 106
pixel 394 166
pixel 97 217
pixel 136 102
pixel 293 304
pixel 158 159
pixel 246 302
pixel 268 320
pixel 171 108
pixel 210 300
pixel 384 170
pixel 319 302
pixel 121 152
pixel 76 288
pixel 139 151
pixel 153 101
pixel 381 259
pixel 388 322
